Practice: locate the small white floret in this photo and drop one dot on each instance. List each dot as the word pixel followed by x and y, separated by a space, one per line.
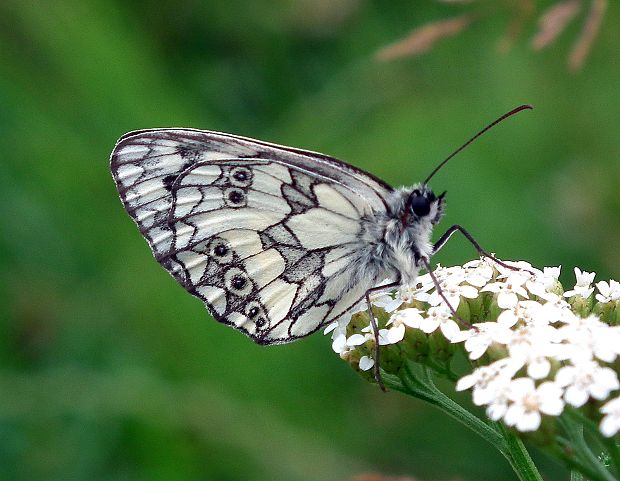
pixel 587 338
pixel 386 301
pixel 608 291
pixel 529 402
pixel 610 424
pixel 478 272
pixel 366 363
pixel 487 381
pixel 542 283
pixel 453 288
pixel 585 380
pixel 339 343
pixel 583 286
pixel 508 290
pixel 532 346
pixel 485 334
pixel 409 317
pixel 439 317
pixel 528 312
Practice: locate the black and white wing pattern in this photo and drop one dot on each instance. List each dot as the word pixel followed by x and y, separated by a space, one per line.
pixel 264 235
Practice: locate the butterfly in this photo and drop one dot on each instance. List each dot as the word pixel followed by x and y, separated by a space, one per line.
pixel 276 241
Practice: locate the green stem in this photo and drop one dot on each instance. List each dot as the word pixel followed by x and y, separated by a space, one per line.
pixel 421 385
pixel 581 456
pixel 518 457
pixel 437 398
pixel 608 444
pixel 614 453
pixel 576 476
pixel 574 462
pixel 442 369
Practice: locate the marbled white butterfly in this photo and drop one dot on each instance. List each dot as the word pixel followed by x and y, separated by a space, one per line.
pixel 276 241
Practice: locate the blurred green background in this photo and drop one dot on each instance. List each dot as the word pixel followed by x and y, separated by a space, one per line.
pixel 110 371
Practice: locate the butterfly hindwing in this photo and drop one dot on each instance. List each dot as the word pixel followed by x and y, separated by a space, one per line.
pixel 264 235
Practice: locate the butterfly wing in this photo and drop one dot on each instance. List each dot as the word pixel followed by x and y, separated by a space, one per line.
pixel 264 235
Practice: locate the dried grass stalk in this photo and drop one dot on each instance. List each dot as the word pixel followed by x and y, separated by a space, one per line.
pixel 524 10
pixel 590 31
pixel 424 38
pixel 553 22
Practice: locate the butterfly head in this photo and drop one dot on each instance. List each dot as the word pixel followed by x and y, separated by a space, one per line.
pixel 422 203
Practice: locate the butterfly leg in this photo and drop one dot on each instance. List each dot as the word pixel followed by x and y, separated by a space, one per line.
pixel 439 244
pixel 429 269
pixel 375 330
pixel 457 228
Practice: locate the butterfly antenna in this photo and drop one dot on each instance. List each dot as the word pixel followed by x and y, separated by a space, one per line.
pixel 488 127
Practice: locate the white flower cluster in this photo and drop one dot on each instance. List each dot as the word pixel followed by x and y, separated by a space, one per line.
pixel 537 356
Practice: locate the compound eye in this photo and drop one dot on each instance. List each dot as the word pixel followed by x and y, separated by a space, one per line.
pixel 419 204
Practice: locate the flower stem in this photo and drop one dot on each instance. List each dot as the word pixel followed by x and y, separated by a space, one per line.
pixel 564 453
pixel 437 398
pixel 581 456
pixel 614 453
pixel 517 456
pixel 417 381
pixel 576 476
pixel 590 426
pixel 609 444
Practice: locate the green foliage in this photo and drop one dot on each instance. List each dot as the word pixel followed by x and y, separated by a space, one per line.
pixel 110 371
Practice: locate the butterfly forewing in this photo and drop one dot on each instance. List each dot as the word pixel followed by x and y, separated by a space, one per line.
pixel 265 235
